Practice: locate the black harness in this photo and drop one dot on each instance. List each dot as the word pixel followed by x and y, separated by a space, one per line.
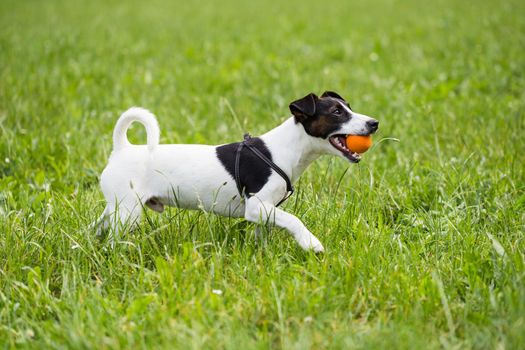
pixel 240 187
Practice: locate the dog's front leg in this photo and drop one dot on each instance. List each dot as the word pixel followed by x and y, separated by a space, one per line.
pixel 258 232
pixel 260 212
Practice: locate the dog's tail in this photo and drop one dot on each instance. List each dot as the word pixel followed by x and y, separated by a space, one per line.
pixel 136 114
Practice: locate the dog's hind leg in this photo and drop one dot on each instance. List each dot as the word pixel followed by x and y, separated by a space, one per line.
pixel 124 215
pixel 101 224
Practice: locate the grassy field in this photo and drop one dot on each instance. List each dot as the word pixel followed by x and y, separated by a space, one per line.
pixel 424 239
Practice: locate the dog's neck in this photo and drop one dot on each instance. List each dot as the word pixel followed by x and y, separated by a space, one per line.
pixel 293 150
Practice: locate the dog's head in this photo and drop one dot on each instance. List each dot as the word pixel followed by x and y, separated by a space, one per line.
pixel 331 119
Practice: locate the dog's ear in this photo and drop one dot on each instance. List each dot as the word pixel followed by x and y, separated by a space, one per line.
pixel 304 107
pixel 335 95
pixel 332 94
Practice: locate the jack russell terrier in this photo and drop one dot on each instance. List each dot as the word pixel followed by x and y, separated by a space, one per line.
pixel 244 179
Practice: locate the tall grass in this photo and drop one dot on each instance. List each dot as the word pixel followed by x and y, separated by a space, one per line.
pixel 424 238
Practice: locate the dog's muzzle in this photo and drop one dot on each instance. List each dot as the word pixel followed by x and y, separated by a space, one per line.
pixel 339 143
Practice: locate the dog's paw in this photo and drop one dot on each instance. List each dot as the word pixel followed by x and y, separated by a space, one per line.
pixel 318 248
pixel 311 242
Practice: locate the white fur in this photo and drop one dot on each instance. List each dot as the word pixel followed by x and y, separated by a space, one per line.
pixel 141 115
pixel 192 177
pixel 356 125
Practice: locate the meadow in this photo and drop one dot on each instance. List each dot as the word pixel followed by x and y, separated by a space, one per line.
pixel 425 243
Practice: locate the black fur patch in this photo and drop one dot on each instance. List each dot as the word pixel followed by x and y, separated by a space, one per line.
pixel 254 172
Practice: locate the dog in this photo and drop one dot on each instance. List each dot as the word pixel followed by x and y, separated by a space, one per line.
pixel 243 179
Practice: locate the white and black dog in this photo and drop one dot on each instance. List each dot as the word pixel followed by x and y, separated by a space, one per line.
pixel 244 179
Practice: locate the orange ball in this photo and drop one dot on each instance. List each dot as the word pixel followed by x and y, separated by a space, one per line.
pixel 358 143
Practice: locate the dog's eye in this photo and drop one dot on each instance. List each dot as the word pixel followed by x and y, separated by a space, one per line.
pixel 337 111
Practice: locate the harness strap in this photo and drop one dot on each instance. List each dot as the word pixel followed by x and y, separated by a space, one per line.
pixel 237 170
pixel 289 187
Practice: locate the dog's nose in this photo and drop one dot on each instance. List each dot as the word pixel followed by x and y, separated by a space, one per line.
pixel 372 124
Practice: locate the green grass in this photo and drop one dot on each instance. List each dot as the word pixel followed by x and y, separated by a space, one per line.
pixel 424 238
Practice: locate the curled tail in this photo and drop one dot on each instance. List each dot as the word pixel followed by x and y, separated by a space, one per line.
pixel 136 114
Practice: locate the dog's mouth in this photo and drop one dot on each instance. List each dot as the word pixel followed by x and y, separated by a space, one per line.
pixel 339 143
